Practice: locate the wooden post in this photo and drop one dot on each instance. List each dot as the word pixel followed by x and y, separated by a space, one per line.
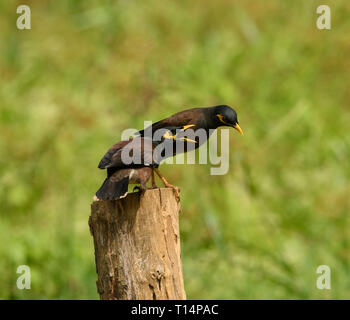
pixel 137 246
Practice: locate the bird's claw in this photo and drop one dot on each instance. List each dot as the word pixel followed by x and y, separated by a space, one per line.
pixel 168 185
pixel 177 193
pixel 175 189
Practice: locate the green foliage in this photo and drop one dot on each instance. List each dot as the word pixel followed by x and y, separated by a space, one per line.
pixel 87 70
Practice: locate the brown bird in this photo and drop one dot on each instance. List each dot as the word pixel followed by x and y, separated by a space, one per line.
pixel 191 128
pixel 197 118
pixel 173 131
pixel 130 161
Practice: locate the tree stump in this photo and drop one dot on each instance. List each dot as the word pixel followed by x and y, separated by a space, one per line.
pixel 137 246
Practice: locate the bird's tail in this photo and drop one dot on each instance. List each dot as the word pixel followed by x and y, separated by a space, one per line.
pixel 113 189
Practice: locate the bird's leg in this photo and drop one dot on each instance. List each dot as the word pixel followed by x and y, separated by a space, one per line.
pixel 143 187
pixel 154 186
pixel 168 185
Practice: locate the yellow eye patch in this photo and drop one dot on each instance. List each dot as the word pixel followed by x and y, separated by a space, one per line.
pixel 221 118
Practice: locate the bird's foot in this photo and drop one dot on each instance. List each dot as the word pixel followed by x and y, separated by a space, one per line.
pixel 168 185
pixel 176 189
pixel 154 186
pixel 95 198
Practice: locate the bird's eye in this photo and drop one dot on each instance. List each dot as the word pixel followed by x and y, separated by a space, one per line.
pixel 221 118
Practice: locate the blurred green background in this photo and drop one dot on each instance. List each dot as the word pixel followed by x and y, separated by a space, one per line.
pixel 87 70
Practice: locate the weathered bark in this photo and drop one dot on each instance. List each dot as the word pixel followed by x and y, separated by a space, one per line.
pixel 137 246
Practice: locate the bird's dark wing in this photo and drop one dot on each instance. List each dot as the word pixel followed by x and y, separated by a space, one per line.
pixel 180 119
pixel 108 157
pixel 139 149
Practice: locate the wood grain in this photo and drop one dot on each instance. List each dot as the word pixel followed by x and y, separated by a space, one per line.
pixel 137 246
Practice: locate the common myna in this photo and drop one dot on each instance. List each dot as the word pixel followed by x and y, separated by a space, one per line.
pixel 172 130
pixel 130 161
pixel 194 126
pixel 198 118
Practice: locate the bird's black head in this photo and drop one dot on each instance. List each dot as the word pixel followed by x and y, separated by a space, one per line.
pixel 224 115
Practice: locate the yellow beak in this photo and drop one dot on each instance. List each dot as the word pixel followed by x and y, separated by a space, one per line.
pixel 238 128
